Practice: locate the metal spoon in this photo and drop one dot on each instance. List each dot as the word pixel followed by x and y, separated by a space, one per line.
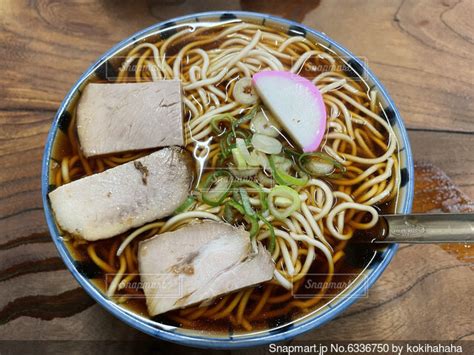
pixel 421 228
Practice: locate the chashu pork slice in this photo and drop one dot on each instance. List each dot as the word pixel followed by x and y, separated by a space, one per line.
pixel 109 203
pixel 199 262
pixel 123 117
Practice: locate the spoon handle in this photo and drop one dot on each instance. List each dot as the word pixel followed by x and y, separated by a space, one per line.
pixel 427 228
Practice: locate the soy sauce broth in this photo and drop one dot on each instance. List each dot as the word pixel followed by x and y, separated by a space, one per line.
pixel 347 269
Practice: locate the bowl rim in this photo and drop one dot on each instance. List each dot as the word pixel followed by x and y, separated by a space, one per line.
pixel 209 342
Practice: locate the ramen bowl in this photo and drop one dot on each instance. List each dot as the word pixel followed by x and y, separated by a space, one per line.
pixel 105 69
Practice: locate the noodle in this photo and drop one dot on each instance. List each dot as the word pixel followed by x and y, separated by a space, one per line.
pixel 332 209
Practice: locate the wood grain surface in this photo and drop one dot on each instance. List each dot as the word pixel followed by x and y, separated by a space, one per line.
pixel 421 50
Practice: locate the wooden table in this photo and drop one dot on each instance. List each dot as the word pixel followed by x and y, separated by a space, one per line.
pixel 421 50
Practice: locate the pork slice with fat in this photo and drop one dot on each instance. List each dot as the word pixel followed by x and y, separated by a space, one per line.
pixel 109 203
pixel 197 262
pixel 115 118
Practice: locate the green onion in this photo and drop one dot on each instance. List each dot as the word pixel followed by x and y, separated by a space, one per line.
pixel 261 159
pixel 242 146
pixel 239 160
pixel 266 144
pixel 240 195
pixel 251 219
pixel 185 205
pixel 291 152
pixel 237 133
pixel 282 163
pixel 316 168
pixel 283 178
pixel 227 142
pixel 244 196
pixel 320 164
pixel 286 192
pixel 228 213
pixel 264 123
pixel 264 179
pixel 236 205
pixel 217 120
pixel 243 173
pixel 216 187
pixel 254 226
pixel 256 187
pixel 245 118
pixel 271 245
pixel 225 149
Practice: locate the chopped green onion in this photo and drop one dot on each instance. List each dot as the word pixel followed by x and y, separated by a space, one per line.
pixel 282 201
pixel 216 187
pixel 245 118
pixel 291 152
pixel 244 172
pixel 282 163
pixel 225 148
pixel 227 142
pixel 287 192
pixel 185 205
pixel 251 219
pixel 266 144
pixel 244 196
pixel 242 147
pixel 237 133
pixel 224 118
pixel 254 226
pixel 256 187
pixel 261 159
pixel 228 213
pixel 320 164
pixel 264 123
pixel 244 92
pixel 239 160
pixel 271 245
pixel 236 205
pixel 283 178
pixel 264 179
